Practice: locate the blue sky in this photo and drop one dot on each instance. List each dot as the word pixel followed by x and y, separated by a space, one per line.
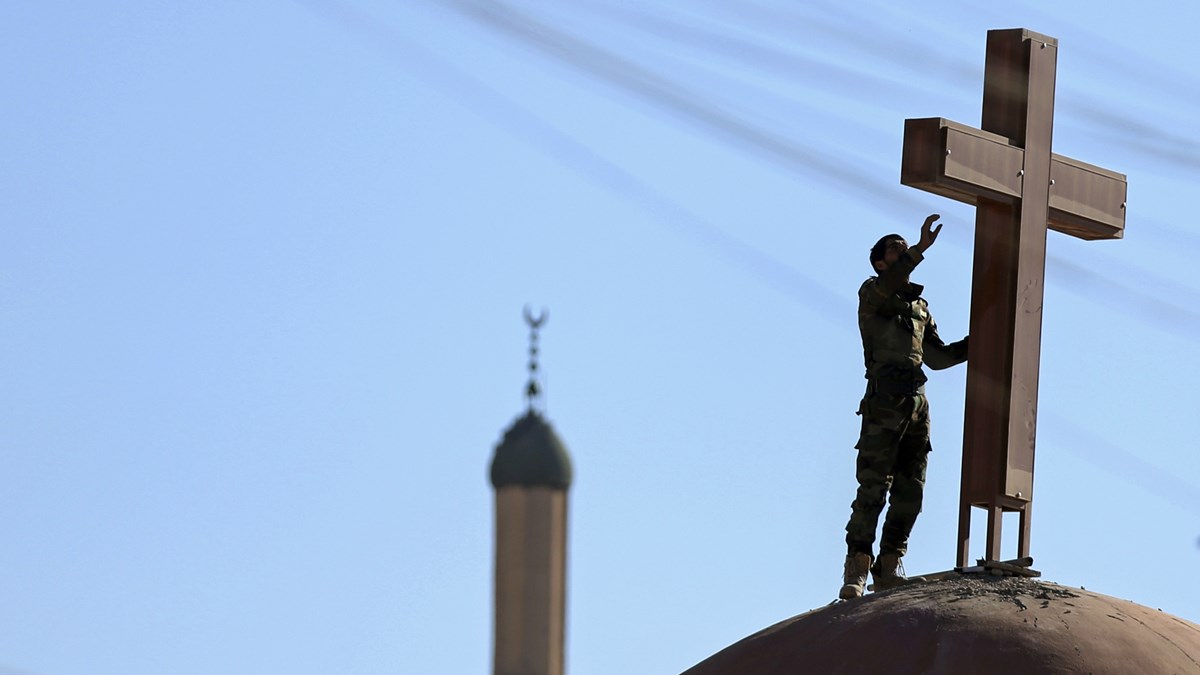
pixel 262 268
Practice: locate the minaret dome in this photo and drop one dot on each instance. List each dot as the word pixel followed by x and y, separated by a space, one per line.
pixel 531 455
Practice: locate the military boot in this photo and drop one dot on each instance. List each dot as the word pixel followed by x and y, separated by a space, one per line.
pixel 889 573
pixel 855 577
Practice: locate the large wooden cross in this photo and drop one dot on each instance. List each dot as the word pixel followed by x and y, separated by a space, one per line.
pixel 1020 188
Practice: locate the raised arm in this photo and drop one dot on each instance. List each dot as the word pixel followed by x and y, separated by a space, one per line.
pixel 895 277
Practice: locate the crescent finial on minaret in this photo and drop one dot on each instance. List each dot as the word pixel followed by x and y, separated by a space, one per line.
pixel 533 389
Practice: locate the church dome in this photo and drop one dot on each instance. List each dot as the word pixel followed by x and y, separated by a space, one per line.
pixel 970 624
pixel 531 455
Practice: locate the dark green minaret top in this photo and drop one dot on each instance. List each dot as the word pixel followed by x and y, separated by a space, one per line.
pixel 531 455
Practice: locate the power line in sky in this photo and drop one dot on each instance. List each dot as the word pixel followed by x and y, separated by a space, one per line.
pixel 1136 135
pixel 1130 467
pixel 594 61
pixel 865 33
pixel 1076 278
pixel 857 30
pixel 847 81
pixel 514 118
pixel 605 65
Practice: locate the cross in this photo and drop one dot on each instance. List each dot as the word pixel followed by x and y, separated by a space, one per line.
pixel 1019 189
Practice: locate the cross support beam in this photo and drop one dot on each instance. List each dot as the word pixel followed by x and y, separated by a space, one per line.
pixel 967 164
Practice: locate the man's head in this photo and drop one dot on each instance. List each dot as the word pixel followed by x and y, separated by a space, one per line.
pixel 887 251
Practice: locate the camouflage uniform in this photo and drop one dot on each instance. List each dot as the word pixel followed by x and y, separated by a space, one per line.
pixel 899 336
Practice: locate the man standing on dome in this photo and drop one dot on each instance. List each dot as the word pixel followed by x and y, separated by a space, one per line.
pixel 899 336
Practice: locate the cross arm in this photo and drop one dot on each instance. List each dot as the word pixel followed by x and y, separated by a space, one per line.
pixel 964 164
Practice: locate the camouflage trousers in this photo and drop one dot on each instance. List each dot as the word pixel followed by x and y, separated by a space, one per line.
pixel 893 450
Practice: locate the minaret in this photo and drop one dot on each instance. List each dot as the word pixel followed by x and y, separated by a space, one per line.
pixel 531 473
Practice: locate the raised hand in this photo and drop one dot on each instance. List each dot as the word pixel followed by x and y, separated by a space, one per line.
pixel 929 233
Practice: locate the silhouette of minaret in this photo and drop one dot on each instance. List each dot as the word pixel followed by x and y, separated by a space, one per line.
pixel 531 473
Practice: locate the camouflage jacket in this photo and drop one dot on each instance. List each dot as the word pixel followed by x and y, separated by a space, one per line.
pixel 899 334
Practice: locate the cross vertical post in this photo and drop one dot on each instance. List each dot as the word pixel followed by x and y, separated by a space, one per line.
pixel 1019 188
pixel 1007 282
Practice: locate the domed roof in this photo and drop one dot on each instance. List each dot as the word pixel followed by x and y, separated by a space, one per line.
pixel 531 454
pixel 970 624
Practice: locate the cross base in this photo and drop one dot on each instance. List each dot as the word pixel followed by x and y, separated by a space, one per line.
pixel 995 507
pixel 1019 567
pixel 1009 568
